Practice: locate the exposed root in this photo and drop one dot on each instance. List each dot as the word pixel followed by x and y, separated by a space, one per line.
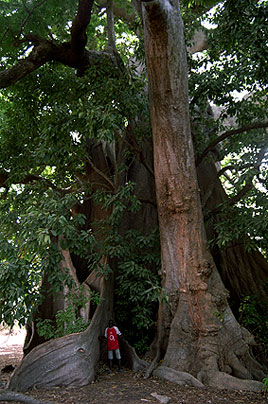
pixel 131 359
pixel 30 331
pixel 158 345
pixel 6 395
pixel 153 365
pixel 221 380
pixel 175 376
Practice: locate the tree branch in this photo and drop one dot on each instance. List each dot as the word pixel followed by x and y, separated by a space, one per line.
pixel 110 24
pixel 137 6
pixel 137 149
pixel 250 184
pixel 199 42
pixel 40 54
pixel 100 173
pixel 29 178
pixel 225 135
pixel 72 54
pixel 80 23
pixel 221 172
pixel 45 51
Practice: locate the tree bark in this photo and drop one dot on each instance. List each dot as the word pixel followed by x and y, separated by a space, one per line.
pixel 190 332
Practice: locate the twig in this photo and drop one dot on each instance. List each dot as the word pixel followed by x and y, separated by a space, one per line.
pixel 30 12
pixel 4 34
pixel 100 173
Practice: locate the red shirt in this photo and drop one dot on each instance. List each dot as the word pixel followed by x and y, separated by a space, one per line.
pixel 112 338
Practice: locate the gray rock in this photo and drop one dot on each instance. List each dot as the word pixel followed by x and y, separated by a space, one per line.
pixel 161 399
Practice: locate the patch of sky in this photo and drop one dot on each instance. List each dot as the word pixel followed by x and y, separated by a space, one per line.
pixel 76 136
pixel 207 19
pixel 129 41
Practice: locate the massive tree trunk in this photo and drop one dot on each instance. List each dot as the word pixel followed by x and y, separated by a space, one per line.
pixel 197 330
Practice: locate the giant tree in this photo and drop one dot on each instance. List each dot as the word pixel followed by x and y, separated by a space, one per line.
pixel 197 320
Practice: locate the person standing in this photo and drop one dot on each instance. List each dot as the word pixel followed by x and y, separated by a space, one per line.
pixel 111 334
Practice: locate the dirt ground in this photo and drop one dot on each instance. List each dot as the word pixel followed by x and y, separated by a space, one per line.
pixel 120 388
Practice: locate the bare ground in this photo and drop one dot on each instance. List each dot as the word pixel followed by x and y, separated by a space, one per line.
pixel 121 388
